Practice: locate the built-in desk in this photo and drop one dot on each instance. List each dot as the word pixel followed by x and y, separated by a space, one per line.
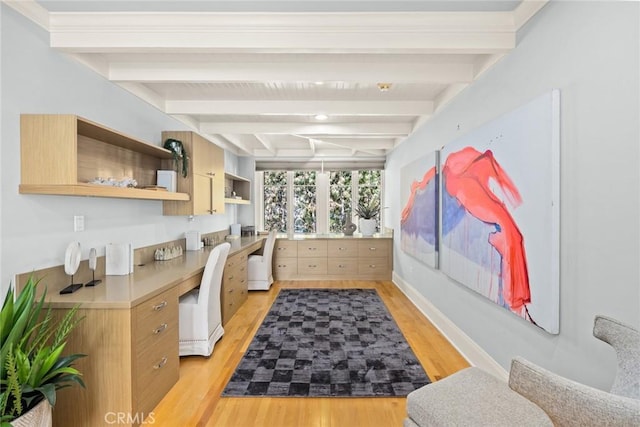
pixel 130 334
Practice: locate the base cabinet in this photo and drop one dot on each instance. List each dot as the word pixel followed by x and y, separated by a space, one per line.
pixel 333 259
pixel 132 362
pixel 234 285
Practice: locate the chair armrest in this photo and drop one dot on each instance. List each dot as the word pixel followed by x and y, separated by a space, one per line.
pixel 569 403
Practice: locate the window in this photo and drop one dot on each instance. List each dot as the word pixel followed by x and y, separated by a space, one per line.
pixel 312 201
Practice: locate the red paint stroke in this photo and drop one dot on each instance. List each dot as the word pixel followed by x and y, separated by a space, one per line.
pixel 415 186
pixel 467 175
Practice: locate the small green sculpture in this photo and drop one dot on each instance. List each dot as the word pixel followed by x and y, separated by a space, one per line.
pixel 179 154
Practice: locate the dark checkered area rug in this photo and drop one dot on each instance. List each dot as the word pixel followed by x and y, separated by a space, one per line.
pixel 325 343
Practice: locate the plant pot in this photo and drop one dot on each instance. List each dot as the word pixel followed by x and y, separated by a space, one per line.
pixel 368 226
pixel 38 416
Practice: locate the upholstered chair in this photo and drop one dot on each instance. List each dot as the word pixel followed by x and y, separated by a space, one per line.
pixel 200 309
pixel 535 396
pixel 260 266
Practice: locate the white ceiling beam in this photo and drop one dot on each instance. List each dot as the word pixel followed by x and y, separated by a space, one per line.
pixel 389 129
pixel 525 10
pixel 238 143
pixel 264 140
pixel 407 32
pixel 365 144
pixel 32 10
pixel 143 92
pixel 299 108
pixel 388 70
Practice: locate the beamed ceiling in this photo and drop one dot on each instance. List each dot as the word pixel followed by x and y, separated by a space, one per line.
pixel 254 81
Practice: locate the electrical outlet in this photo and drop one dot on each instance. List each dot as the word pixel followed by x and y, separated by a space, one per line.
pixel 78 223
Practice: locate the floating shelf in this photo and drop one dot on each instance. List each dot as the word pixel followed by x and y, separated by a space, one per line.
pixel 92 190
pixel 242 187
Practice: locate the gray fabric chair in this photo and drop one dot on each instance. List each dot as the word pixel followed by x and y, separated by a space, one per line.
pixel 535 396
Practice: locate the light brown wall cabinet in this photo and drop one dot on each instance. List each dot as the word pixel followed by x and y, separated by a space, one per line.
pixel 61 153
pixel 205 179
pixel 333 259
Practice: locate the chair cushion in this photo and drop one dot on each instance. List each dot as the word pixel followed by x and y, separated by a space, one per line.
pixel 472 397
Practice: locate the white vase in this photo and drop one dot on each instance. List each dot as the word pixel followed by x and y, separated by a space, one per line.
pixel 38 416
pixel 368 226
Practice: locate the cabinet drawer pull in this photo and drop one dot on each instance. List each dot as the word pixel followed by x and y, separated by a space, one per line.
pixel 242 281
pixel 313 266
pixel 212 211
pixel 372 249
pixel 230 278
pixel 160 306
pixel 312 249
pixel 342 249
pixel 162 362
pixel 372 265
pixel 341 266
pixel 211 173
pixel 231 290
pixel 282 249
pixel 282 265
pixel 160 328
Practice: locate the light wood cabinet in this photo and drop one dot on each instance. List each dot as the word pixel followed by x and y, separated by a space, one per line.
pixel 61 153
pixel 333 259
pixel 205 177
pixel 234 285
pixel 132 362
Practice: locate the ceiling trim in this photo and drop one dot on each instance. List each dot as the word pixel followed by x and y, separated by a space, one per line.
pixel 300 108
pixel 387 129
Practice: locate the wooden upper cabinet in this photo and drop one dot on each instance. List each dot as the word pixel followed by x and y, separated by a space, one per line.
pixel 61 153
pixel 205 177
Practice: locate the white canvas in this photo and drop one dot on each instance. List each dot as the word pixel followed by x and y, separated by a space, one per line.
pixel 500 184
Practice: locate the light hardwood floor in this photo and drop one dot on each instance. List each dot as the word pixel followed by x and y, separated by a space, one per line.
pixel 195 400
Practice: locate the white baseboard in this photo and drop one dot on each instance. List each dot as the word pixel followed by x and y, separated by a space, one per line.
pixel 471 351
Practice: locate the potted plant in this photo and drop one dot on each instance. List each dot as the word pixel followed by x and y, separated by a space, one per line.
pixel 368 212
pixel 33 367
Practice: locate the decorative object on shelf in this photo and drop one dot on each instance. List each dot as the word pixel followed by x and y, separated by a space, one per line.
pixel 93 258
pixel 167 253
pixel 71 264
pixel 26 341
pixel 368 213
pixel 180 156
pixel 125 182
pixel 349 227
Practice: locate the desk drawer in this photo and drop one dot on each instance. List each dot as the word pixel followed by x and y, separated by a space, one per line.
pixel 374 266
pixel 156 370
pixel 342 248
pixel 373 248
pixel 312 249
pixel 285 266
pixel 312 266
pixel 156 318
pixel 236 259
pixel 342 266
pixel 286 248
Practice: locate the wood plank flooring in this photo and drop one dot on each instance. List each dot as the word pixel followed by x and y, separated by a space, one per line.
pixel 195 400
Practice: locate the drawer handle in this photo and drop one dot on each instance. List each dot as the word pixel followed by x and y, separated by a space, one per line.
pixel 230 278
pixel 342 249
pixel 242 281
pixel 242 269
pixel 282 249
pixel 341 265
pixel 160 328
pixel 372 249
pixel 231 290
pixel 160 306
pixel 312 249
pixel 282 265
pixel 161 363
pixel 312 266
pixel 372 265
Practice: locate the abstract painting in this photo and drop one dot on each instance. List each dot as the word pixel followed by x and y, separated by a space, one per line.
pixel 419 218
pixel 500 211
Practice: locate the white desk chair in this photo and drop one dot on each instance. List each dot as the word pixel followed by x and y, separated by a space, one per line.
pixel 259 266
pixel 200 312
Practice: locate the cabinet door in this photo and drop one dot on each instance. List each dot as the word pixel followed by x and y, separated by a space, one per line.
pixel 202 155
pixel 218 179
pixel 202 190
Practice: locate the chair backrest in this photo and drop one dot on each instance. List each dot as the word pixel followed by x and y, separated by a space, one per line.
pixel 626 342
pixel 569 403
pixel 212 280
pixel 268 251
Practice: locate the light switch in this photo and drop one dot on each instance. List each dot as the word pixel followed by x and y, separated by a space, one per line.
pixel 78 223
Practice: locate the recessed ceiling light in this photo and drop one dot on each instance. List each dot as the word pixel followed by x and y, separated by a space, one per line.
pixel 319 83
pixel 321 117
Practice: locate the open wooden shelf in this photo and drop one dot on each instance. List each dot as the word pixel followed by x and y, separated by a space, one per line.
pixel 242 187
pixel 101 191
pixel 61 154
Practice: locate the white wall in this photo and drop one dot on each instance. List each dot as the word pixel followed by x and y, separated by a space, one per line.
pixel 36 229
pixel 589 50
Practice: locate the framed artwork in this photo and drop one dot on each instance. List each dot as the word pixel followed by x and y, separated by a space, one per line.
pixel 419 219
pixel 500 211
